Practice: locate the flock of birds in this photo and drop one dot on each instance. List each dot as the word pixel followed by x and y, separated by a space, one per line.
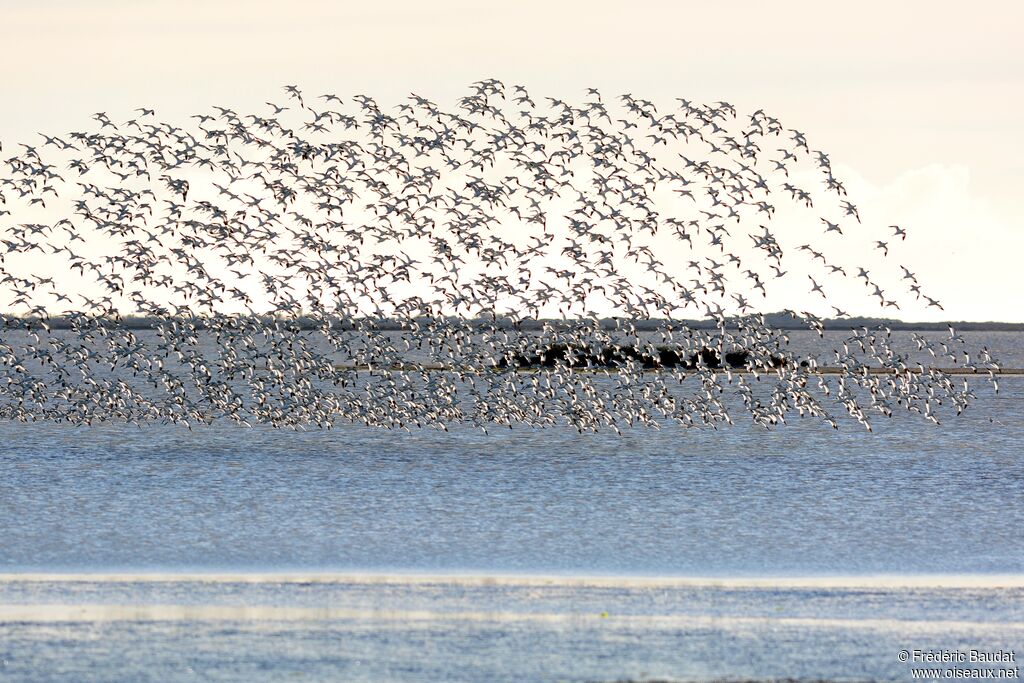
pixel 327 261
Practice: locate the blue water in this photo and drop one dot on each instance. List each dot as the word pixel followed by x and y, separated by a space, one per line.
pixel 801 500
pixel 497 630
pixel 910 500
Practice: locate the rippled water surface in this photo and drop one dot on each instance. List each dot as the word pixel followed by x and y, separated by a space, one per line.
pixel 910 500
pixel 325 629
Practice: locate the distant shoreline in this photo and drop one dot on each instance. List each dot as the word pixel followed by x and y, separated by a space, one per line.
pixel 819 370
pixel 779 321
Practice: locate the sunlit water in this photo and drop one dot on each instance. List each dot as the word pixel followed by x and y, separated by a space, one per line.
pixel 254 554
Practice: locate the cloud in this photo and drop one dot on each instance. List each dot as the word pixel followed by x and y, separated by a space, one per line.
pixel 964 252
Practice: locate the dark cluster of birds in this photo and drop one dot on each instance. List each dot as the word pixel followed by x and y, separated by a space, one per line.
pixel 327 261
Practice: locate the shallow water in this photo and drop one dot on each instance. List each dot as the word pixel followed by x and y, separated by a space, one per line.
pixel 910 500
pixel 340 628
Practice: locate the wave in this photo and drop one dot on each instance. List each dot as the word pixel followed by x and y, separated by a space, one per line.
pixel 911 581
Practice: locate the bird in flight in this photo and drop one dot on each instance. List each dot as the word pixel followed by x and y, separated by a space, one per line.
pixel 502 261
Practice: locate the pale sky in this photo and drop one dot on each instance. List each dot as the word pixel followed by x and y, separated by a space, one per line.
pixel 918 103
